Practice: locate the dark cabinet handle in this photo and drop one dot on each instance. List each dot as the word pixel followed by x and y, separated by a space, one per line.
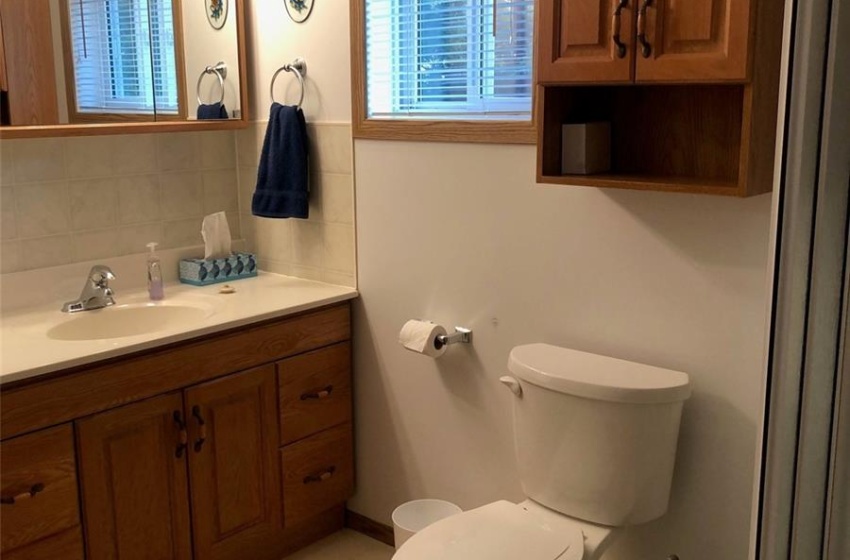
pixel 31 493
pixel 320 476
pixel 615 28
pixel 323 393
pixel 645 47
pixel 183 442
pixel 202 428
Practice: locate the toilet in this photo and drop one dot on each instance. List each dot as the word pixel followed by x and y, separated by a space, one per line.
pixel 595 441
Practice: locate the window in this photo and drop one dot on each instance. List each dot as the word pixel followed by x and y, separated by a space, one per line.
pixel 123 60
pixel 445 61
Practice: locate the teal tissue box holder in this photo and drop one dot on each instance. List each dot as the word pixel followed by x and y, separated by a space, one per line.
pixel 201 272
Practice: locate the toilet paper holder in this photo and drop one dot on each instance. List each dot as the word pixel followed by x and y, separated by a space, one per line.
pixel 461 335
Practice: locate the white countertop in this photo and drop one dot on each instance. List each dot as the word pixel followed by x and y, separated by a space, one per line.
pixel 27 351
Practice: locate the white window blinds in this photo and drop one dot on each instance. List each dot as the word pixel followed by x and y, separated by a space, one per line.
pixel 452 59
pixel 124 57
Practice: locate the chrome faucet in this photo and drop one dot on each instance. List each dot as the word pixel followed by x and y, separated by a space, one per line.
pixel 96 291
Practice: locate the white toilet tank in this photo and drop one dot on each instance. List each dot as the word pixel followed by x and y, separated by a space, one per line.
pixel 596 436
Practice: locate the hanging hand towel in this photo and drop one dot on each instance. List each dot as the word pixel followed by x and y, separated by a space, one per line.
pixel 282 183
pixel 212 112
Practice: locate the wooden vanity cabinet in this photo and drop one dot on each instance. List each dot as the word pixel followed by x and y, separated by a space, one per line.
pixel 180 453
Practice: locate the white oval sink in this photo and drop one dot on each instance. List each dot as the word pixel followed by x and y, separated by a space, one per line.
pixel 127 320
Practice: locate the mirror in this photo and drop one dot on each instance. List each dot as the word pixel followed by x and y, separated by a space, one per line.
pixel 69 65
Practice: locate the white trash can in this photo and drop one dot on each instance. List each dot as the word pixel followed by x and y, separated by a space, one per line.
pixel 411 517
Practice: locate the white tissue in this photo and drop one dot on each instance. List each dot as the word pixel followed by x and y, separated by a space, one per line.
pixel 216 234
pixel 420 336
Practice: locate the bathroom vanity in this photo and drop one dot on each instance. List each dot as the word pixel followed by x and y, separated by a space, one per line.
pixel 236 444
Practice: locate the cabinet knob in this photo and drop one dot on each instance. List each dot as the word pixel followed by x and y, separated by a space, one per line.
pixel 318 394
pixel 320 476
pixel 616 26
pixel 31 493
pixel 645 46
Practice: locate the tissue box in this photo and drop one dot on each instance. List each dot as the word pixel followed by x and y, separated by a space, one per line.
pixel 200 272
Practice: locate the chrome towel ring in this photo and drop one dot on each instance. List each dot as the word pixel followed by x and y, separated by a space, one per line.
pixel 220 70
pixel 299 68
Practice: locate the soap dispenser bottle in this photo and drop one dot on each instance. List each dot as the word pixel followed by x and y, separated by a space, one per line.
pixel 155 289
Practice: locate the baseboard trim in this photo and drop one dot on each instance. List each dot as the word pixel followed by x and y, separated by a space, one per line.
pixel 369 527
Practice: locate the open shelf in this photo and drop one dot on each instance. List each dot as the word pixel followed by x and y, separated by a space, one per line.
pixel 678 138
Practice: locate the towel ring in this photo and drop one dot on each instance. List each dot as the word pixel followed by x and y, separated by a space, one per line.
pixel 299 68
pixel 220 70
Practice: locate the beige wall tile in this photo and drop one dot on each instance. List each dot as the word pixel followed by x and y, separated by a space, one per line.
pixel 273 239
pixel 339 278
pixel 42 209
pixel 133 154
pixel 247 150
pixel 181 233
pixel 247 185
pixel 337 198
pixel 94 204
pixel 7 169
pixel 220 191
pixel 307 243
pixel 46 251
pixel 339 248
pixel 88 156
pixel 178 151
pixel 133 239
pixel 100 244
pixel 41 159
pixel 138 199
pixel 235 224
pixel 182 195
pixel 8 222
pixel 10 256
pixel 306 272
pixel 330 147
pixel 218 150
pixel 246 225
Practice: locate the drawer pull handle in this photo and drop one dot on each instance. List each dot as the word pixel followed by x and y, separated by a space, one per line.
pixel 616 26
pixel 646 47
pixel 12 500
pixel 183 442
pixel 320 476
pixel 202 428
pixel 319 394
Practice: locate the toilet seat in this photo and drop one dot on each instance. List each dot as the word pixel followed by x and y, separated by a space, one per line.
pixel 497 531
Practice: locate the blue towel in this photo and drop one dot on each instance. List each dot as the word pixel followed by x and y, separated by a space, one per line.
pixel 211 112
pixel 282 181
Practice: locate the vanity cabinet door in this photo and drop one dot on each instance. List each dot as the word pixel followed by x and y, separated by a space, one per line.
pixel 134 481
pixel 233 465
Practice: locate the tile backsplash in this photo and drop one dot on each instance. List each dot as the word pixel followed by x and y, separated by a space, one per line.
pixel 322 247
pixel 66 200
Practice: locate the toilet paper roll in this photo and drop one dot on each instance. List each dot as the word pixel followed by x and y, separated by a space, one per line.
pixel 420 336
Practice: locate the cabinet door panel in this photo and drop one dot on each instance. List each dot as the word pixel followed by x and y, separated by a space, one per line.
pixel 135 492
pixel 577 41
pixel 234 471
pixel 695 40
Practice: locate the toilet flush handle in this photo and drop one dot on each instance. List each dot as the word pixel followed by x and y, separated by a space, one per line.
pixel 513 384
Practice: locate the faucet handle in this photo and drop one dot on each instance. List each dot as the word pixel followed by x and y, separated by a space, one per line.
pixel 101 275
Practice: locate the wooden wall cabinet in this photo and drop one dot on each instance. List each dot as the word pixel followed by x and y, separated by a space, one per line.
pixel 235 446
pixel 690 89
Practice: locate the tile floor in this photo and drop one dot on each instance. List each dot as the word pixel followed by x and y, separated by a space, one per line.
pixel 345 545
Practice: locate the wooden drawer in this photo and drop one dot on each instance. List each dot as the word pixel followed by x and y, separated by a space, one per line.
pixel 38 482
pixel 318 473
pixel 314 392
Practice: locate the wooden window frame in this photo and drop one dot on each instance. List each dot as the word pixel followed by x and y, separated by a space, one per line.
pixel 470 131
pixel 76 117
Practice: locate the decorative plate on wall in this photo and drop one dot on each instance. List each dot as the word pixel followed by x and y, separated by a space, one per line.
pixel 299 10
pixel 217 12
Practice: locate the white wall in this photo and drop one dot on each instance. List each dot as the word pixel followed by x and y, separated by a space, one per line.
pixel 462 235
pixel 204 46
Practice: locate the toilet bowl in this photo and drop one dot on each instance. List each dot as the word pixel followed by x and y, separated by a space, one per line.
pixel 506 531
pixel 595 440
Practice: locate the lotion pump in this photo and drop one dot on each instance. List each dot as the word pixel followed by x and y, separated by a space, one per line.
pixel 155 289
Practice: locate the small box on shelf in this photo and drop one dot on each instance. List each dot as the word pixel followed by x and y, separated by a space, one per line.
pixel 201 272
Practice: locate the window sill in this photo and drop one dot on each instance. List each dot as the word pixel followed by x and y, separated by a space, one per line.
pixel 487 132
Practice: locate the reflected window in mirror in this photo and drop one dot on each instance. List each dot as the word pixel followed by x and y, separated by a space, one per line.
pixel 125 60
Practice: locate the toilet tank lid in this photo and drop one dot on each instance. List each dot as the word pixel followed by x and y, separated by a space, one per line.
pixel 597 377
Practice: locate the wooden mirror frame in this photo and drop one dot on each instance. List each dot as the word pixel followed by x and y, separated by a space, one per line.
pixel 64 130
